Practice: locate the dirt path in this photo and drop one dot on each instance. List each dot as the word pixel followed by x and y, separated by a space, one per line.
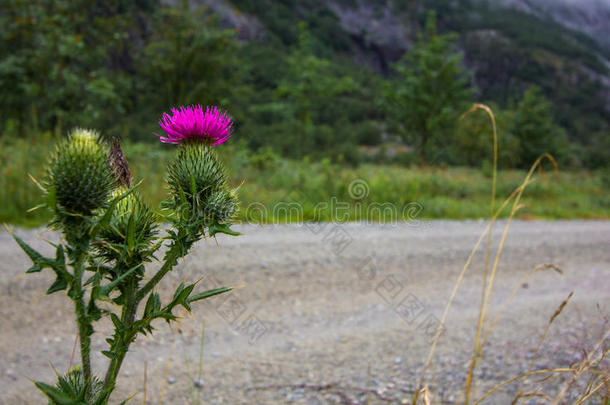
pixel 329 312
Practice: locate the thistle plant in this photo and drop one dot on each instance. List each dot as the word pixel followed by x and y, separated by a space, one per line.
pixel 109 235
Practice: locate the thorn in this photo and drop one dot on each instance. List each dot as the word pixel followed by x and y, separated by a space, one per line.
pixel 54 370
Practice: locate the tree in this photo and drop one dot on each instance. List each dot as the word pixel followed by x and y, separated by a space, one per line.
pixel 189 59
pixel 535 129
pixel 473 142
pixel 63 63
pixel 304 94
pixel 430 91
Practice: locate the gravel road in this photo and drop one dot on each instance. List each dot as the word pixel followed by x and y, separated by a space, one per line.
pixel 332 313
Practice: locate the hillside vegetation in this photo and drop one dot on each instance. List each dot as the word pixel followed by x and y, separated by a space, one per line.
pixel 311 77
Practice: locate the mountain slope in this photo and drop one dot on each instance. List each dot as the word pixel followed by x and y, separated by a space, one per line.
pixel 509 45
pixel 591 17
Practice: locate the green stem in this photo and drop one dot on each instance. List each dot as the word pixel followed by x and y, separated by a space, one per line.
pixel 171 259
pixel 84 326
pixel 133 296
pixel 121 344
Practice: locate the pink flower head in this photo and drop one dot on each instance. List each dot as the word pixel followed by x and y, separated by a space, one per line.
pixel 191 123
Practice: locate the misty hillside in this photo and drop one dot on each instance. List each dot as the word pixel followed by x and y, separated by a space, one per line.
pixel 352 81
pixel 561 46
pixel 591 17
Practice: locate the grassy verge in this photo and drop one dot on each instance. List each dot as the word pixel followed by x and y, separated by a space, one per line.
pixel 273 189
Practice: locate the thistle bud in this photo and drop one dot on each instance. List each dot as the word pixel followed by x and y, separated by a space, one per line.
pixel 196 173
pixel 74 387
pixel 130 231
pixel 80 174
pixel 221 206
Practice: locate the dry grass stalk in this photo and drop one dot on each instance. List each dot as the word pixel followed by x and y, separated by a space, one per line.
pixel 516 206
pixel 520 376
pixel 488 282
pixel 584 366
pixel 492 118
pixel 543 338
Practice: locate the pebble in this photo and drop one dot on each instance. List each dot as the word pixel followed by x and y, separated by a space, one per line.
pixel 171 380
pixel 198 383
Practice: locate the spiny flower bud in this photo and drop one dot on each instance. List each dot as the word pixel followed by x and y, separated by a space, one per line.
pixel 196 173
pixel 222 206
pixel 80 174
pixel 131 219
pixel 74 387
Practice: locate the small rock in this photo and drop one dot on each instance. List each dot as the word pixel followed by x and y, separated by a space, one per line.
pixel 397 360
pixel 198 383
pixel 171 380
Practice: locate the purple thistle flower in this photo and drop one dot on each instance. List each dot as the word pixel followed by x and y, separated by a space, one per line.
pixel 191 123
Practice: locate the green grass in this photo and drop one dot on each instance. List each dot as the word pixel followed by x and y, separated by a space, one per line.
pixel 267 181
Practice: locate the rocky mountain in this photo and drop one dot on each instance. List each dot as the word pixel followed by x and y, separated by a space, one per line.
pixel 562 46
pixel 591 17
pixel 389 27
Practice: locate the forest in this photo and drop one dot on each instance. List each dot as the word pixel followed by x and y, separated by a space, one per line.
pixel 301 88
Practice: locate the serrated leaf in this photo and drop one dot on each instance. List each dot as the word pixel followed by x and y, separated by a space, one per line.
pixel 93 279
pixel 60 258
pixel 93 311
pixel 109 354
pixel 117 322
pixel 32 254
pixel 153 304
pixel 182 298
pixel 59 284
pixel 178 291
pixel 40 262
pixel 221 228
pixel 56 395
pixel 209 293
pixel 106 289
pixel 34 269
